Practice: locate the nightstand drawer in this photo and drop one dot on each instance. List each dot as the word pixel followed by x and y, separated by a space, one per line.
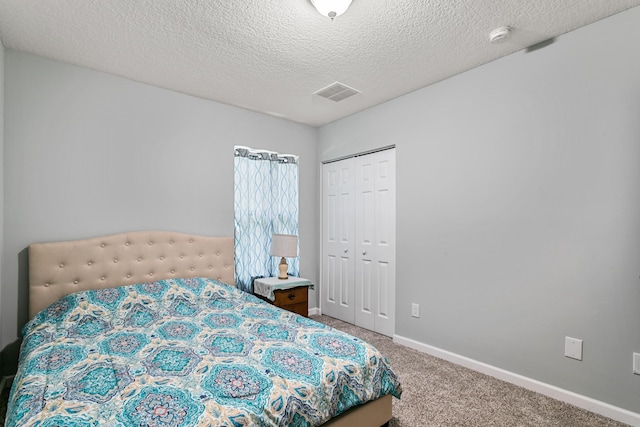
pixel 291 296
pixel 302 308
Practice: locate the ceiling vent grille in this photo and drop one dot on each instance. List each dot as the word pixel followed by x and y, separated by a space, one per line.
pixel 337 92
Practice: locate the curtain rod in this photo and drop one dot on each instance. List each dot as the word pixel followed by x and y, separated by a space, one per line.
pixel 364 153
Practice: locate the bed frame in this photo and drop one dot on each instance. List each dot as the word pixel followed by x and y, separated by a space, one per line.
pixel 60 268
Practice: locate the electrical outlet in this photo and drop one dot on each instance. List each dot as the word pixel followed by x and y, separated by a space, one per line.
pixel 573 348
pixel 636 363
pixel 415 310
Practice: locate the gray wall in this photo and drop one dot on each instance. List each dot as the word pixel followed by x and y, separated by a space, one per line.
pixel 87 153
pixel 518 208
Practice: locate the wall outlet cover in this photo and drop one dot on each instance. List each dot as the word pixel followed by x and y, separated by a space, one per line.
pixel 573 348
pixel 636 363
pixel 415 310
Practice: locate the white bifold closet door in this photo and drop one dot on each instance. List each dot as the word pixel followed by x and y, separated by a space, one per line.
pixel 338 217
pixel 358 266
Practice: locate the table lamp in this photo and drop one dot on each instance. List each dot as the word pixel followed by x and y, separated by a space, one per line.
pixel 284 246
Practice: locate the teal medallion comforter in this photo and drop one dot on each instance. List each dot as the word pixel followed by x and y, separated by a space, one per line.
pixel 187 352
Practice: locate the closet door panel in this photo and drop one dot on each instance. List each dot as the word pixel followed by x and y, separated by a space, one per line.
pixel 382 299
pixel 330 281
pixel 385 245
pixel 330 240
pixel 365 297
pixel 365 240
pixel 337 292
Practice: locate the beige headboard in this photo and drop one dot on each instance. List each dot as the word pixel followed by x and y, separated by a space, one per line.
pixel 60 268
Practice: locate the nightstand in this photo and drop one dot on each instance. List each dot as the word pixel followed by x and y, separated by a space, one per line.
pixel 291 294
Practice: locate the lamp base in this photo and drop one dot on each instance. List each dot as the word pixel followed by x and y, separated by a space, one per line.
pixel 283 269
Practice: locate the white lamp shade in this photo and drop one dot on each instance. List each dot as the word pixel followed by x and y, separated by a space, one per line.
pixel 331 8
pixel 284 245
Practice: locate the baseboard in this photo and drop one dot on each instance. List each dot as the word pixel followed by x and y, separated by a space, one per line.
pixel 314 311
pixel 584 402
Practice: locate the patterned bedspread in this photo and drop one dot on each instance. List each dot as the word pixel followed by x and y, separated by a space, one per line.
pixel 187 352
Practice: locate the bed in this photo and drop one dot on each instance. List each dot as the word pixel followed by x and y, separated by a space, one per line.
pixel 146 329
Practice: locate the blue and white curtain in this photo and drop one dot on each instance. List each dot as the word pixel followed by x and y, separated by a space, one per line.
pixel 265 202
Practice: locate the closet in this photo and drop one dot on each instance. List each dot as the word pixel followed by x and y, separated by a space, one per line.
pixel 358 240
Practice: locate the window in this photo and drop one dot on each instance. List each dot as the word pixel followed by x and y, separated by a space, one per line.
pixel 265 202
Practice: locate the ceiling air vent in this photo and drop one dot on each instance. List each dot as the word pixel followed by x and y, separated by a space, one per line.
pixel 336 92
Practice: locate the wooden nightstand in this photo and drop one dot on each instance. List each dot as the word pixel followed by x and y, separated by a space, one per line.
pixel 291 294
pixel 294 299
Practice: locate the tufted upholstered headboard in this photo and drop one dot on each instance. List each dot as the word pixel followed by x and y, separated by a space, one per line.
pixel 60 268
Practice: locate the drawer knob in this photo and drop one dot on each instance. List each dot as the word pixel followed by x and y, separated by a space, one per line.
pixel 291 296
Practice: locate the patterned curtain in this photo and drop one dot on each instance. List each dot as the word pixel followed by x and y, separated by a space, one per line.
pixel 265 202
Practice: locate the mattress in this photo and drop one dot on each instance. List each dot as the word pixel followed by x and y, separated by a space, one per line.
pixel 188 352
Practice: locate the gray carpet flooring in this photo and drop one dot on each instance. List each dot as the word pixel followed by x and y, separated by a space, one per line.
pixel 439 393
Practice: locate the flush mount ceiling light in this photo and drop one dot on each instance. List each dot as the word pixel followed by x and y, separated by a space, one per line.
pixel 331 8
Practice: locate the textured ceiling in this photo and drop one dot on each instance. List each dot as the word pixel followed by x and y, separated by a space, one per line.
pixel 271 56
